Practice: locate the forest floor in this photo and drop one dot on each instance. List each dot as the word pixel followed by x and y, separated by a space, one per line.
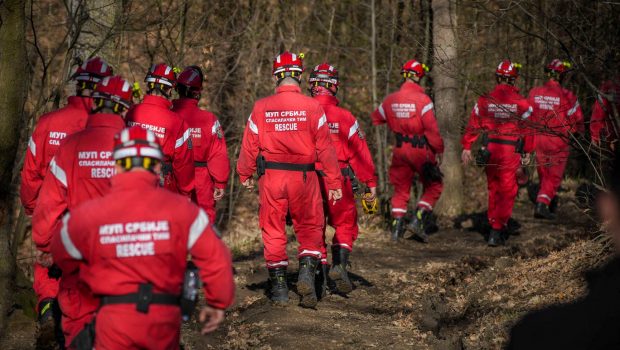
pixel 452 293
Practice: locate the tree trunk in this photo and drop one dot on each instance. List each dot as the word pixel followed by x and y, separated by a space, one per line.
pixel 13 91
pixel 445 82
pixel 379 131
pixel 94 23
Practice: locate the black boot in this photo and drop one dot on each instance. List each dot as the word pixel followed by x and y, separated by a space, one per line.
pixel 305 281
pixel 418 225
pixel 338 272
pixel 398 228
pixel 542 212
pixel 496 238
pixel 320 281
pixel 278 291
pixel 49 324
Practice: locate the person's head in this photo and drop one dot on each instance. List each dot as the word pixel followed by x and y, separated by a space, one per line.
pixel 287 69
pixel 507 72
pixel 609 202
pixel 323 80
pixel 189 82
pixel 89 74
pixel 137 149
pixel 160 80
pixel 112 95
pixel 413 70
pixel 556 69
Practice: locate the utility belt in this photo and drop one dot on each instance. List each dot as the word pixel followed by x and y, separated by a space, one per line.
pixel 143 299
pixel 418 141
pixel 262 165
pixel 483 155
pixel 347 171
pixel 200 164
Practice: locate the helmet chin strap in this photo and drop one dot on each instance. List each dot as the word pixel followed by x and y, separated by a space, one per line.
pixel 159 88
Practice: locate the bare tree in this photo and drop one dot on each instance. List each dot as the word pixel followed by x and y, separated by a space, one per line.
pixel 13 90
pixel 446 97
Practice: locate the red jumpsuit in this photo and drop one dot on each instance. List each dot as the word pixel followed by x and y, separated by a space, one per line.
pixel 212 167
pixel 52 128
pixel 80 171
pixel 409 112
pixel 290 128
pixel 556 116
pixel 155 114
pixel 501 114
pixel 136 234
pixel 353 153
pixel 601 124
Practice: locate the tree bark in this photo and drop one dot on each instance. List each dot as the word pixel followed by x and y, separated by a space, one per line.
pixel 445 70
pixel 379 131
pixel 13 91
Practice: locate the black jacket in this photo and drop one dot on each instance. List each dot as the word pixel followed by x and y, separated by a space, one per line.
pixel 590 323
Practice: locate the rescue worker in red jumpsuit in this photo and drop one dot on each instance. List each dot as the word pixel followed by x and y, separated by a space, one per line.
pixel 155 114
pixel 501 116
pixel 419 149
pixel 132 244
pixel 557 115
pixel 355 161
pixel 603 130
pixel 285 136
pixel 80 170
pixel 51 130
pixel 211 164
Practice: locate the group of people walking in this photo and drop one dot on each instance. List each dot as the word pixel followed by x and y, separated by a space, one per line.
pixel 121 194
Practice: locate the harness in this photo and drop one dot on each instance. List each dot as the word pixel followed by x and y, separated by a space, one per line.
pixel 518 144
pixel 200 164
pixel 417 141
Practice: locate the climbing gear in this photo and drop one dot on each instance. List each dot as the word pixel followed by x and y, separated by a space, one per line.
pixel 324 75
pixel 413 68
pixel 114 93
pixel 287 65
pixel 161 77
pixel 137 147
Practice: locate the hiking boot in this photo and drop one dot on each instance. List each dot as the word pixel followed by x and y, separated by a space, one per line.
pixel 305 281
pixel 495 238
pixel 47 318
pixel 338 272
pixel 398 228
pixel 320 281
pixel 542 212
pixel 278 290
pixel 418 225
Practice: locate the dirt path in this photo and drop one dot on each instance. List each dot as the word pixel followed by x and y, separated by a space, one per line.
pixel 400 299
pixel 375 314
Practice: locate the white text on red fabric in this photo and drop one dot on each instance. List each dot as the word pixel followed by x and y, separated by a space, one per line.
pixel 403 110
pixel 503 110
pixel 134 239
pixel 55 137
pixel 159 131
pixel 547 103
pixel 100 163
pixel 286 120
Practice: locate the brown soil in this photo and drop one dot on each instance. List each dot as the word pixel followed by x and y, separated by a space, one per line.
pixel 452 293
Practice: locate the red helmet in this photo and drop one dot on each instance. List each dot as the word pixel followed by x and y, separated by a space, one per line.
pixel 324 73
pixel 191 77
pixel 161 74
pixel 507 69
pixel 558 66
pixel 288 64
pixel 136 142
pixel 114 89
pixel 324 80
pixel 93 70
pixel 413 67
